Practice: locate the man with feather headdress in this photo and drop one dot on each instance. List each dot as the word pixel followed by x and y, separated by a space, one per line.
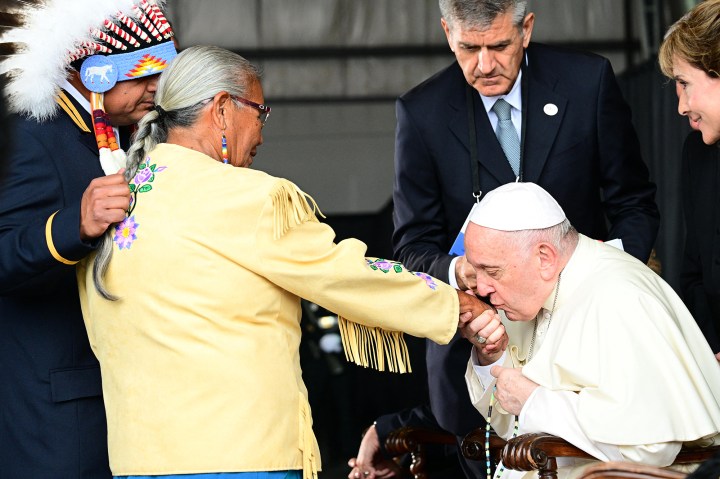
pixel 78 74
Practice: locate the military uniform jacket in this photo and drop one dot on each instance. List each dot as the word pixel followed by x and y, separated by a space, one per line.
pixel 52 420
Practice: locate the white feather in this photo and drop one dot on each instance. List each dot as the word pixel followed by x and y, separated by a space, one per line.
pixel 52 32
pixel 111 161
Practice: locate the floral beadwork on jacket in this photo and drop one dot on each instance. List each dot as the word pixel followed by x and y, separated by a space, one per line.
pixel 429 280
pixel 384 265
pixel 125 230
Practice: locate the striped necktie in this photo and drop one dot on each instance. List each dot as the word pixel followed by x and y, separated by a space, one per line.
pixel 507 135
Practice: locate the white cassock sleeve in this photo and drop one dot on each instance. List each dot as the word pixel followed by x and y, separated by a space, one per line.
pixel 555 412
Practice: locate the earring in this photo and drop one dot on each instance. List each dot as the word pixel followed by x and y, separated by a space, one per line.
pixel 224 148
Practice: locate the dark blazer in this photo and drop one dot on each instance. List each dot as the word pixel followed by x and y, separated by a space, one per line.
pixel 53 419
pixel 587 156
pixel 700 277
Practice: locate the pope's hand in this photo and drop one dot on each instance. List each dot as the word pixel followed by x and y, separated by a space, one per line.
pixel 488 335
pixel 512 388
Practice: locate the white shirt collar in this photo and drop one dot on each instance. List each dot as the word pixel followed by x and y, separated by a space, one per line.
pixel 82 101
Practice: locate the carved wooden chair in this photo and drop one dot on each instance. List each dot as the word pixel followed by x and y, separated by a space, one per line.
pixel 538 452
pixel 415 441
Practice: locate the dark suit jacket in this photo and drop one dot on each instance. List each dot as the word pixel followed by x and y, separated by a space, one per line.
pixel 587 156
pixel 53 419
pixel 700 278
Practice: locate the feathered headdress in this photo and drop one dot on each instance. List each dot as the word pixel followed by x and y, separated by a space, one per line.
pixel 108 40
pixel 51 34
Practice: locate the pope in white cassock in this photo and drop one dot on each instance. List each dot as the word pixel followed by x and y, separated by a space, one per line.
pixel 600 350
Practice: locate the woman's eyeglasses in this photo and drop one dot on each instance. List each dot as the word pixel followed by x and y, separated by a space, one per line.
pixel 263 109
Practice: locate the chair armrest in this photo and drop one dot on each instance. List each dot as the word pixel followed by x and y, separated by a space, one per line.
pixel 412 440
pixel 473 445
pixel 407 439
pixel 537 452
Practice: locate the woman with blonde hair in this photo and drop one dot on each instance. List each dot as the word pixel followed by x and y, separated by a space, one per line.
pixel 193 303
pixel 690 55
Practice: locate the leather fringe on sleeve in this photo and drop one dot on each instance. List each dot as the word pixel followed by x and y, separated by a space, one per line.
pixel 364 346
pixel 374 347
pixel 292 207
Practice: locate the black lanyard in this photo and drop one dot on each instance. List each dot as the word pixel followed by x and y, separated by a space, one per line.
pixel 469 92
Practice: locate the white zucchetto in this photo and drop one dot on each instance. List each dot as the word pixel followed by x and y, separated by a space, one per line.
pixel 517 207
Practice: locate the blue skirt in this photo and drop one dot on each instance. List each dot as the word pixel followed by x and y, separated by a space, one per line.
pixel 225 475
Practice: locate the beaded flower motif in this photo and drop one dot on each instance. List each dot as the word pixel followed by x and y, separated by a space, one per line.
pixel 125 230
pixel 386 266
pixel 429 280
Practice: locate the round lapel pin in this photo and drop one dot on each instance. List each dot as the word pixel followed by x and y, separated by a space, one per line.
pixel 550 109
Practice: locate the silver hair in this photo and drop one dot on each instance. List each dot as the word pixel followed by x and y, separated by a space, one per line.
pixel 194 76
pixel 479 14
pixel 562 236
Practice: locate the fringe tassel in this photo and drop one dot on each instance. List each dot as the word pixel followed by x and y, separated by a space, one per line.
pixel 307 442
pixel 372 347
pixel 292 207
